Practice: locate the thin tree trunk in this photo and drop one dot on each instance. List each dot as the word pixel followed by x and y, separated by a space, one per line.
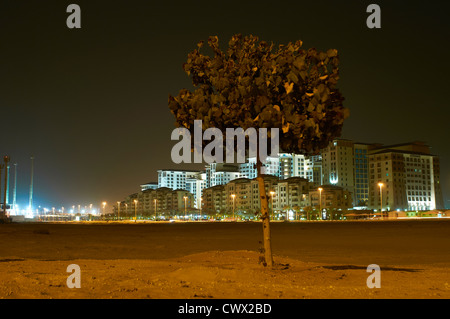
pixel 264 215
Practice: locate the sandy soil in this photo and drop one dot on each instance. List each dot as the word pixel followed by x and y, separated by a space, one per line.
pixel 34 263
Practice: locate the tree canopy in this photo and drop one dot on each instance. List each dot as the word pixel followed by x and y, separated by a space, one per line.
pixel 254 84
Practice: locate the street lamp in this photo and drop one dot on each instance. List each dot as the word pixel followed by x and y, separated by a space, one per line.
pixel 320 202
pixel 135 210
pixel 272 193
pixel 118 210
pixel 155 208
pixel 126 209
pixel 233 196
pixel 185 207
pixel 104 205
pixel 381 199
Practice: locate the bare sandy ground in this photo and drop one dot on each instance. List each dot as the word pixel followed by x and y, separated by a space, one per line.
pixel 164 262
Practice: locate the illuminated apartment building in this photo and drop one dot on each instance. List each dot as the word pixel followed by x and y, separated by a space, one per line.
pixel 248 169
pixel 338 165
pixel 410 178
pixel 220 173
pixel 192 181
pixel 155 202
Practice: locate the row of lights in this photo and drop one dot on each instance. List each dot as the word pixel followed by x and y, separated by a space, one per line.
pixel 135 207
pixel 233 196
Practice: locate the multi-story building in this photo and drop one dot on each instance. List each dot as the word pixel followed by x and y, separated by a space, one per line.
pixel 195 185
pixel 361 173
pixel 291 194
pixel 291 165
pixel 338 164
pixel 270 183
pixel 175 179
pixel 286 165
pixel 330 199
pixel 214 200
pixel 151 203
pixel 409 173
pixel 404 177
pixel 270 167
pixel 286 197
pixel 221 173
pixel 345 164
pixel 313 169
pixel 150 185
pixel 192 181
pixel 238 196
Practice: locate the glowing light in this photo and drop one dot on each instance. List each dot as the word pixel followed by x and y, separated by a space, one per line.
pixel 334 180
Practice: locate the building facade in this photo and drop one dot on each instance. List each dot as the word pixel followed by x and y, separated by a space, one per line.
pixel 404 177
pixel 330 200
pixel 175 179
pixel 161 203
pixel 409 175
pixel 150 185
pixel 287 198
pixel 221 173
pixel 338 164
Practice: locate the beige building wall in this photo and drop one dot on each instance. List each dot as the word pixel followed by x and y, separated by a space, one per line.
pixel 410 175
pixel 338 165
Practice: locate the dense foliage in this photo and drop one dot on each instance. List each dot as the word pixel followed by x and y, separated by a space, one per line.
pixel 252 84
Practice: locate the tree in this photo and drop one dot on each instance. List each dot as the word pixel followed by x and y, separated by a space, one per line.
pixel 254 85
pixel 308 210
pixel 297 210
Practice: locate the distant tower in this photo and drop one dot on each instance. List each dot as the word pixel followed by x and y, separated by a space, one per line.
pixel 6 160
pixel 30 204
pixel 15 186
pixel 2 216
pixel 7 184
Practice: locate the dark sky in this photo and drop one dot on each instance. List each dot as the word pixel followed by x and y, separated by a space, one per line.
pixel 91 103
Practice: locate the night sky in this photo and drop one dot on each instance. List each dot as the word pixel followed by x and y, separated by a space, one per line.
pixel 91 103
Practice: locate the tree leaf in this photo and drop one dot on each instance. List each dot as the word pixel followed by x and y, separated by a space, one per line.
pixel 288 87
